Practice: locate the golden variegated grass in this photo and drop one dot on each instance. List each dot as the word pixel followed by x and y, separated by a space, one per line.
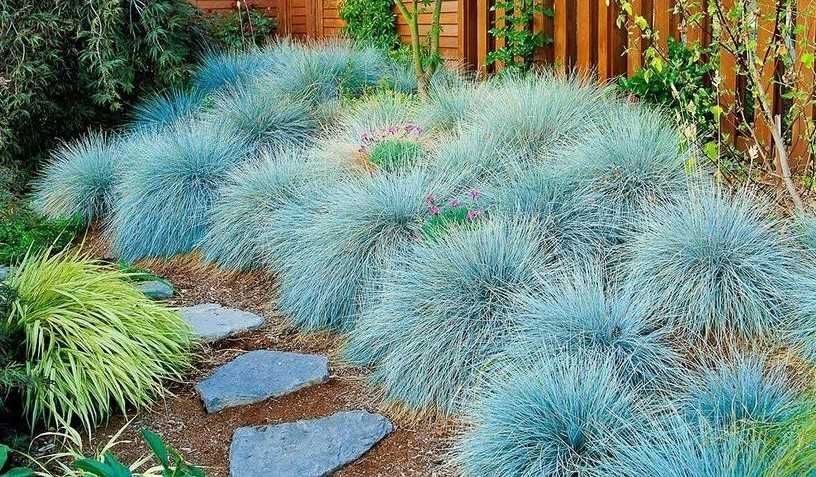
pixel 93 342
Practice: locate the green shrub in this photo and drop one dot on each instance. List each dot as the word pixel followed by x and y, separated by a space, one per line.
pixel 71 64
pixel 370 22
pixel 23 230
pixel 93 340
pixel 681 84
pixel 242 28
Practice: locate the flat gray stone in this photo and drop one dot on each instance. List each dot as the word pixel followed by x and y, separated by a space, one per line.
pixel 305 448
pixel 156 290
pixel 4 273
pixel 212 322
pixel 260 375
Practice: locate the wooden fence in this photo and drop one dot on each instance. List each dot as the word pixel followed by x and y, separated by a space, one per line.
pixel 585 38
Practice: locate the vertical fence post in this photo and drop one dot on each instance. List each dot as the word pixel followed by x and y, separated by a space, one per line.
pixel 805 45
pixel 483 35
pixel 560 37
pixel 728 88
pixel 584 36
pixel 634 53
pixel 694 27
pixel 662 22
pixel 766 31
pixel 605 25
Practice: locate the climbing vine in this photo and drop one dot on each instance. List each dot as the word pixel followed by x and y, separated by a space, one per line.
pixel 370 22
pixel 513 24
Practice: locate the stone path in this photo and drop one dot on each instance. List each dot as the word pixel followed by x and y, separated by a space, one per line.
pixel 260 375
pixel 212 322
pixel 315 447
pixel 306 448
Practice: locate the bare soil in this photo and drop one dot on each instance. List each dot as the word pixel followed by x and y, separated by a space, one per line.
pixel 414 449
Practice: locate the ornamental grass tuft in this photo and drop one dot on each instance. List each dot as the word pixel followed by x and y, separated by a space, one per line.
pixel 92 343
pixel 167 109
pixel 441 315
pixel 581 312
pixel 570 216
pixel 739 390
pixel 632 159
pixel 267 117
pixel 79 177
pixel 714 264
pixel 566 414
pixel 163 204
pixel 250 197
pixel 348 238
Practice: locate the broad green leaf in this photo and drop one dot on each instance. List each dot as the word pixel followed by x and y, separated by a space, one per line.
pixel 807 60
pixel 4 453
pixel 711 150
pixel 157 446
pixel 717 111
pixel 19 472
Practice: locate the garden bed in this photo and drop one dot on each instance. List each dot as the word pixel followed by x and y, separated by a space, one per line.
pixel 415 448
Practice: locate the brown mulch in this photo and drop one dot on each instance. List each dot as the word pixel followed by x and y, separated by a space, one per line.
pixel 413 449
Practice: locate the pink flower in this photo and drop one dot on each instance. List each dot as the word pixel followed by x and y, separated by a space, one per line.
pixel 475 194
pixel 434 210
pixel 474 214
pixel 431 200
pixel 454 202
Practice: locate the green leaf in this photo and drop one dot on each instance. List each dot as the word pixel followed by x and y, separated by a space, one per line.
pixel 641 23
pixel 717 111
pixel 807 60
pixel 711 150
pixel 157 446
pixel 19 472
pixel 4 453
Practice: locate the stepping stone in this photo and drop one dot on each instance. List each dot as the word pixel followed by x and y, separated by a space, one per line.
pixel 4 273
pixel 260 375
pixel 156 289
pixel 306 448
pixel 212 322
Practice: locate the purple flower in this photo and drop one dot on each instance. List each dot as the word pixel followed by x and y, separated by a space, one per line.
pixel 434 210
pixel 475 194
pixel 474 214
pixel 454 202
pixel 431 200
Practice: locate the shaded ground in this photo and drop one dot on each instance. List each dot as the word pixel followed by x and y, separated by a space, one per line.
pixel 412 450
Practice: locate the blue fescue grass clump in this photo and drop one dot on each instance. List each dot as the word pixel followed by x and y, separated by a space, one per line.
pixel 562 415
pixel 360 225
pixel 325 72
pixel 571 216
pixel 713 264
pixel 631 159
pixel 580 312
pixel 269 118
pixel 248 197
pixel 805 227
pixel 231 68
pixel 162 205
pixel 168 108
pixel 78 179
pixel 532 117
pixel 449 106
pixel 442 314
pixel 674 447
pixel 742 389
